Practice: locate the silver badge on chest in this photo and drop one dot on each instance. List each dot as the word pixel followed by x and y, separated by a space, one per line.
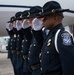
pixel 49 42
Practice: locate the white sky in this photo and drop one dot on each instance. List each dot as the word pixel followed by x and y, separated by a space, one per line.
pixel 68 4
pixel 23 2
pixel 64 3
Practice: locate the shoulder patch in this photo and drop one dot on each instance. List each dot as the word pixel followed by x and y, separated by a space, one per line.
pixel 66 38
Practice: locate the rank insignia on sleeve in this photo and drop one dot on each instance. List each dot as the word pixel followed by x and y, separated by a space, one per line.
pixel 66 38
pixel 49 42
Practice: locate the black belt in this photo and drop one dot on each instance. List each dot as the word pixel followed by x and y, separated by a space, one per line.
pixel 25 57
pixel 13 51
pixel 35 67
pixel 18 52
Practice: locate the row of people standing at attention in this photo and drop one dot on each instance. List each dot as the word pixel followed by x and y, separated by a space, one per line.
pixel 39 44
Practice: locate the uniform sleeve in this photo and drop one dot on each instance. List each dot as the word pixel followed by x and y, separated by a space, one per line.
pixel 66 52
pixel 38 35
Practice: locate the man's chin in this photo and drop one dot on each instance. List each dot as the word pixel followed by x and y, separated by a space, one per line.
pixel 44 24
pixel 45 27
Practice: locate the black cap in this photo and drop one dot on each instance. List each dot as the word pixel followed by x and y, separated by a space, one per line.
pixel 34 11
pixel 18 16
pixel 51 7
pixel 25 14
pixel 11 19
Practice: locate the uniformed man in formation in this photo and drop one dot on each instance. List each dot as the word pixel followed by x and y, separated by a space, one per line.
pixel 39 44
pixel 34 60
pixel 12 42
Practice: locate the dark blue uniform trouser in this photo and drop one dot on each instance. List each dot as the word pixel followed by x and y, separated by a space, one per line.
pixel 26 70
pixel 11 57
pixel 13 67
pixel 36 72
pixel 14 62
pixel 19 65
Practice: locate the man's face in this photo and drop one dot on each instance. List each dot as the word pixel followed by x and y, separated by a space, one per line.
pixel 48 21
pixel 30 21
pixel 21 21
pixel 14 24
pixel 11 23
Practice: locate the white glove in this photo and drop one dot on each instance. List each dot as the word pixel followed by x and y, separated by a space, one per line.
pixel 9 26
pixel 25 24
pixel 18 25
pixel 37 25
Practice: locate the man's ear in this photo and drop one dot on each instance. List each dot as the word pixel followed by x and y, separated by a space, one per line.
pixel 55 18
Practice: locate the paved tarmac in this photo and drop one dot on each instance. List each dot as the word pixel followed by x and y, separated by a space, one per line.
pixel 5 65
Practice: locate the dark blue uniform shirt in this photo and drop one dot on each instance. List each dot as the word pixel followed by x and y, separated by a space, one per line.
pixel 19 40
pixel 10 43
pixel 52 61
